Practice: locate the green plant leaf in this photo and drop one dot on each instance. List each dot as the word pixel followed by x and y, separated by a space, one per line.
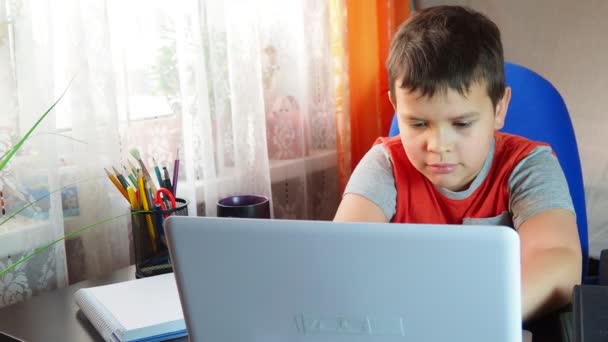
pixel 7 156
pixel 6 153
pixel 50 244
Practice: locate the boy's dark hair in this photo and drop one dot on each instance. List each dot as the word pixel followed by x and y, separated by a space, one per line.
pixel 447 47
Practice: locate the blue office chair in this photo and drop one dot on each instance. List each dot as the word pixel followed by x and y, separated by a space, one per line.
pixel 538 112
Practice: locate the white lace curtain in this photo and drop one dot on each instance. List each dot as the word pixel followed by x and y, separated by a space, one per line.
pixel 243 90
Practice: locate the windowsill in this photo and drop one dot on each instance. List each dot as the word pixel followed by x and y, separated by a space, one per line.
pixel 16 237
pixel 281 170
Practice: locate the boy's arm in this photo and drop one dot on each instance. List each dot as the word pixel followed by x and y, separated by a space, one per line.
pixel 551 261
pixel 356 208
pixel 370 195
pixel 543 215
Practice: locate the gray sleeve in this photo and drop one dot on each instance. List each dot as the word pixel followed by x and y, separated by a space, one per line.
pixel 537 184
pixel 373 179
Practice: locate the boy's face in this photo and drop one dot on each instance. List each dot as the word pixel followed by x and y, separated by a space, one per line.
pixel 447 137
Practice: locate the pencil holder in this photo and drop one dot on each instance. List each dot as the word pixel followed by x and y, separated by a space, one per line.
pixel 149 241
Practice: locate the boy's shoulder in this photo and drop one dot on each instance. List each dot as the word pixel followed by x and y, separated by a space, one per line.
pixel 389 142
pixel 507 143
pixel 511 138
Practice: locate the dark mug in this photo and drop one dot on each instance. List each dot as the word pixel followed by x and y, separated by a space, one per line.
pixel 244 206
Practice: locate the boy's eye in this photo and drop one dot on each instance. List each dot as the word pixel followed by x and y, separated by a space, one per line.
pixel 417 124
pixel 463 124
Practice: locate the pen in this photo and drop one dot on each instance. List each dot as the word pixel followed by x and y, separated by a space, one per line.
pixel 157 171
pixel 175 173
pixel 167 181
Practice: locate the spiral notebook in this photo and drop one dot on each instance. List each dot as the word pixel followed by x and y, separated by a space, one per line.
pixel 146 309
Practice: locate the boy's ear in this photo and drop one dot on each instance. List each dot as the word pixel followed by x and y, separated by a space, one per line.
pixel 390 98
pixel 501 109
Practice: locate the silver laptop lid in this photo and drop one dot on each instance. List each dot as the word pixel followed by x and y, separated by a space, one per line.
pixel 278 280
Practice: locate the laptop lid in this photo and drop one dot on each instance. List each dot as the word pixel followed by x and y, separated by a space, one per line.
pixel 305 281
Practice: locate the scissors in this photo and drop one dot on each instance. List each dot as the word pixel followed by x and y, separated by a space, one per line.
pixel 168 196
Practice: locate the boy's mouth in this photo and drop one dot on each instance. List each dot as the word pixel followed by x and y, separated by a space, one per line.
pixel 442 168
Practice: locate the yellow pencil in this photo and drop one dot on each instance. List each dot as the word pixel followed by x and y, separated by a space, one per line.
pixel 144 201
pixel 132 199
pixel 117 184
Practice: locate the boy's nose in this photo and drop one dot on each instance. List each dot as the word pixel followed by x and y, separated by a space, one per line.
pixel 439 141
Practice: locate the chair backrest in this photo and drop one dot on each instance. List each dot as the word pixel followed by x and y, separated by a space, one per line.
pixel 538 112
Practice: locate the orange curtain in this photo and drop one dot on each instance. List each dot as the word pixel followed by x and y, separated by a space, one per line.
pixel 339 50
pixel 365 112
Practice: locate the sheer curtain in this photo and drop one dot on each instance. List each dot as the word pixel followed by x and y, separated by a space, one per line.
pixel 243 93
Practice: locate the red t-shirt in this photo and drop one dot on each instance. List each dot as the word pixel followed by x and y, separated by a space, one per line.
pixel 418 201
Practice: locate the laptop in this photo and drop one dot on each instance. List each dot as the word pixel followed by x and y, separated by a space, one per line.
pixel 319 281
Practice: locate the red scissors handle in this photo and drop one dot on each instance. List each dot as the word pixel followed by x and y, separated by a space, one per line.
pixel 158 200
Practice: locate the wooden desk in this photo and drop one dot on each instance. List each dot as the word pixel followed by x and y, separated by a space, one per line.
pixel 54 316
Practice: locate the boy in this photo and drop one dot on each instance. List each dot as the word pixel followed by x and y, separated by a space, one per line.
pixel 451 165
